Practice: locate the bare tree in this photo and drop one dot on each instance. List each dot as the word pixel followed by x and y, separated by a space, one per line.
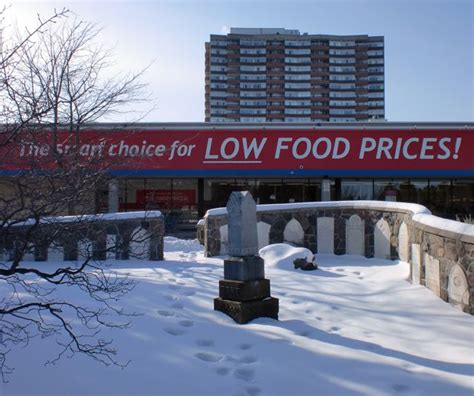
pixel 54 80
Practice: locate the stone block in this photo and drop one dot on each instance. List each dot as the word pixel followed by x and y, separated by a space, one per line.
pixel 244 312
pixel 244 291
pixel 242 224
pixel 244 268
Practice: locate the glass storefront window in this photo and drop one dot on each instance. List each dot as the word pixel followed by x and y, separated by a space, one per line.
pixel 184 200
pixel 217 191
pixel 419 192
pixel 391 190
pixel 312 192
pixel 269 191
pixel 294 190
pixel 356 189
pixel 463 198
pixel 246 185
pixel 440 197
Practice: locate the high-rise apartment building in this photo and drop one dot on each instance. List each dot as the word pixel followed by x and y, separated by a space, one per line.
pixel 265 75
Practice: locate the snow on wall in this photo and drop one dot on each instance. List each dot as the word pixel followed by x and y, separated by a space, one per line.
pixel 152 214
pixel 374 205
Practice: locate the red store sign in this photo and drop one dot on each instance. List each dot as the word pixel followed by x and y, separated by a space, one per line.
pixel 259 151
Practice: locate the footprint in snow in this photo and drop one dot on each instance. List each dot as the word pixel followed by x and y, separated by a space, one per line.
pixel 222 371
pixel 170 297
pixel 356 273
pixel 304 333
pixel 334 329
pixel 253 390
pixel 163 312
pixel 171 280
pixel 340 269
pixel 207 357
pixel 174 331
pixel 186 323
pixel 244 374
pixel 177 305
pixel 244 346
pixel 247 359
pixel 187 293
pixel 400 388
pixel 205 342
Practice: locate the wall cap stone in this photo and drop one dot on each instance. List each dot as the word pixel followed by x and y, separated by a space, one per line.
pixel 443 227
pixel 383 206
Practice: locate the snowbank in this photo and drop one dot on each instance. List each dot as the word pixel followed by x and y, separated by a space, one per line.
pixel 282 255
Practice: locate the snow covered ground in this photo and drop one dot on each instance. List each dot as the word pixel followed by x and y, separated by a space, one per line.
pixel 355 326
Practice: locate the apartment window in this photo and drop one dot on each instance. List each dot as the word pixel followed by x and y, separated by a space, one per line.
pixel 377 61
pixel 341 52
pixel 341 86
pixel 258 77
pixel 218 51
pixel 375 104
pixel 297 85
pixel 253 60
pixel 297 103
pixel 218 94
pixel 297 119
pixel 298 111
pixel 252 111
pixel 375 69
pixel 342 103
pixel 298 69
pixel 253 85
pixel 342 111
pixel 219 85
pixel 341 77
pixel 218 60
pixel 297 77
pixel 375 86
pixel 297 60
pixel 217 68
pixel 374 53
pixel 334 43
pixel 341 60
pixel 252 43
pixel 252 119
pixel 253 51
pixel 303 94
pixel 245 68
pixel 253 94
pixel 299 51
pixel 297 43
pixel 253 102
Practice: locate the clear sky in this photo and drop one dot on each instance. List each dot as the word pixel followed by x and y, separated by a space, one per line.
pixel 429 45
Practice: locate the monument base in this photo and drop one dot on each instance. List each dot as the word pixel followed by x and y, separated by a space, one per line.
pixel 244 291
pixel 245 311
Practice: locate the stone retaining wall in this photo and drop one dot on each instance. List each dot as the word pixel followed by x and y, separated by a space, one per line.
pixel 122 236
pixel 440 251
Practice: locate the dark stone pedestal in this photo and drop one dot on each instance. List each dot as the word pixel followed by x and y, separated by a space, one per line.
pixel 245 311
pixel 244 294
pixel 244 268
